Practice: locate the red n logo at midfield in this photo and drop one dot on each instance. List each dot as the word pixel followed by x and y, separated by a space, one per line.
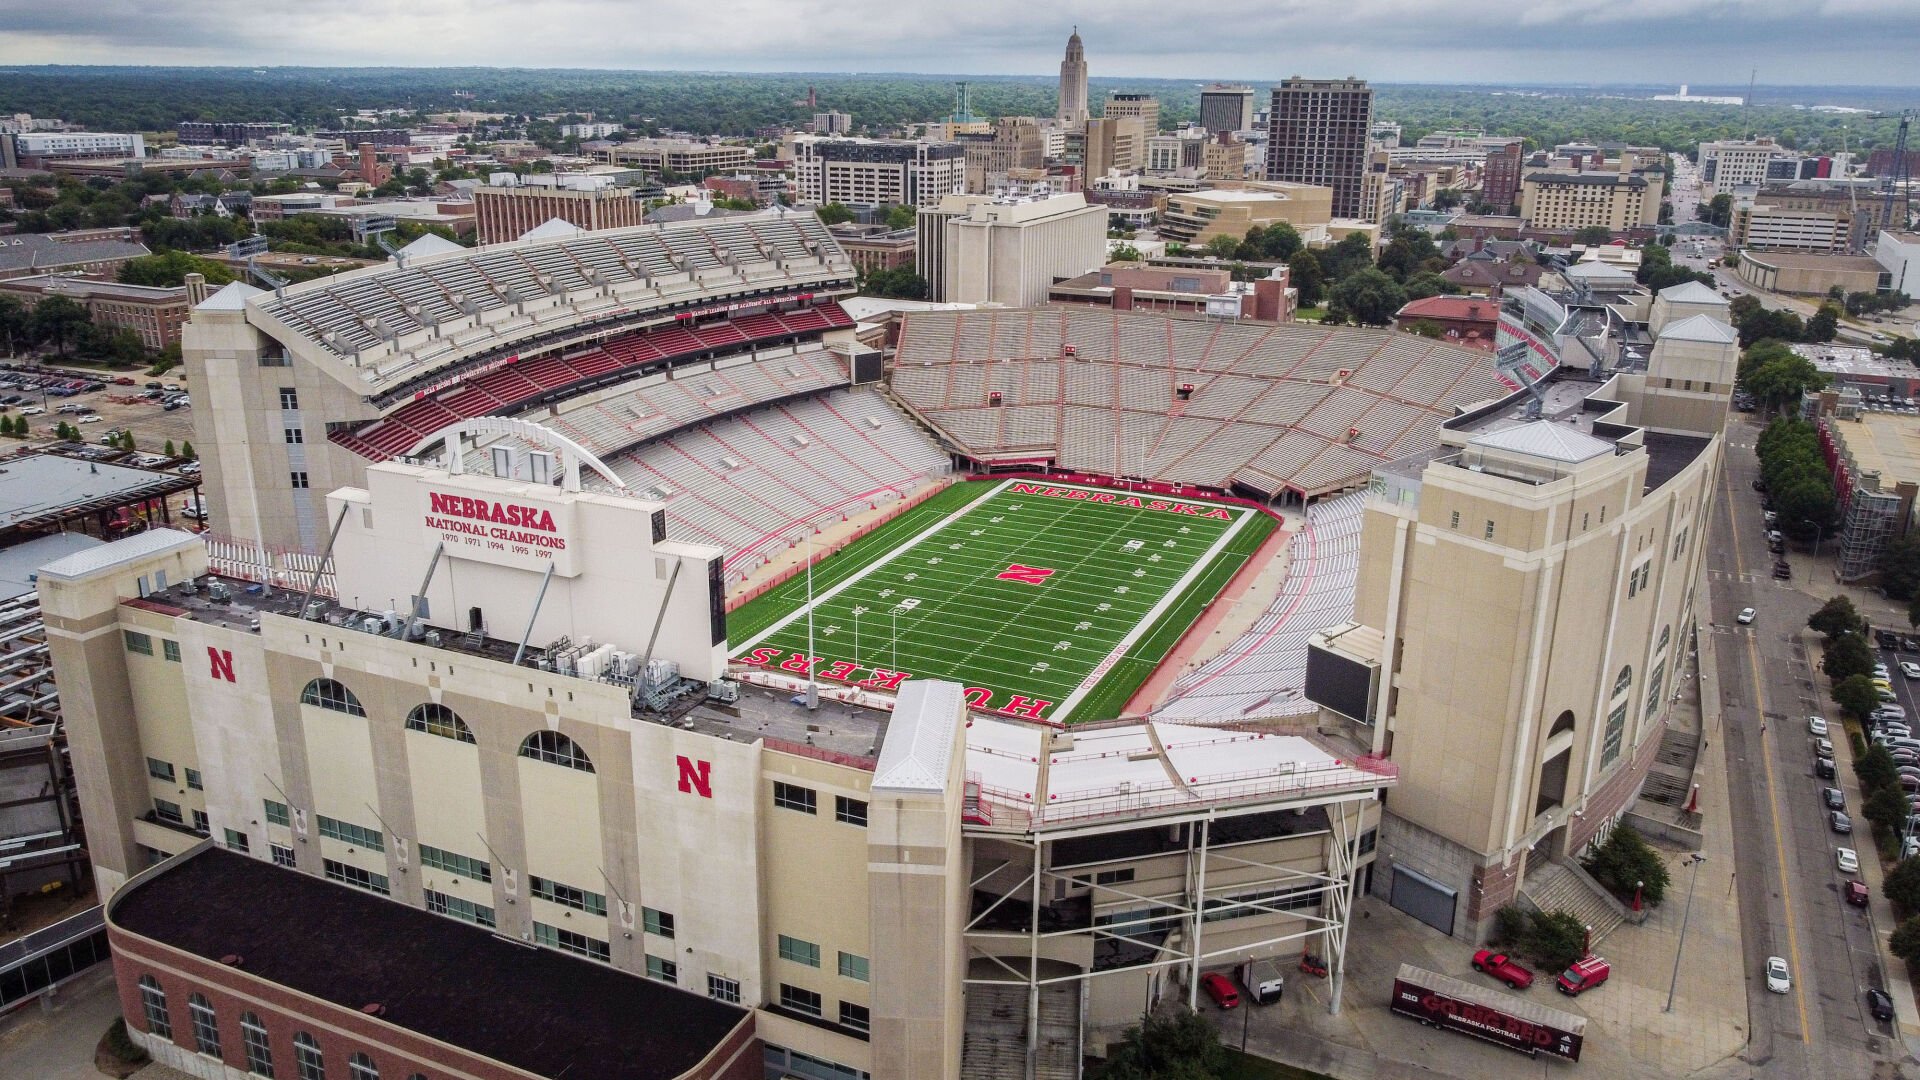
pixel 695 776
pixel 1026 575
pixel 221 660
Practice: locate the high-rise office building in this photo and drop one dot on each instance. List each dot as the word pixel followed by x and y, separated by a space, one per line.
pixel 1500 182
pixel 1226 108
pixel 1317 134
pixel 1142 107
pixel 1073 81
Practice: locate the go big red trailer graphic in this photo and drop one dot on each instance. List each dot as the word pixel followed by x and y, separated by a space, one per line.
pixel 1499 1018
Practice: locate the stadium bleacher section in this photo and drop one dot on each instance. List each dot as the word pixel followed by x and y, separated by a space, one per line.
pixel 1274 408
pixel 1261 673
pixel 516 387
pixel 395 324
pixel 755 482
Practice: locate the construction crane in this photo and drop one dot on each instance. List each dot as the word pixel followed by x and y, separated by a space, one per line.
pixel 1899 178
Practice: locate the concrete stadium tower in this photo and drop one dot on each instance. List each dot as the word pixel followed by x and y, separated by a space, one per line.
pixel 1073 81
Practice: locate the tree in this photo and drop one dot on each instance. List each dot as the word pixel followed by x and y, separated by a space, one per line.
pixel 1180 1046
pixel 1626 858
pixel 1824 324
pixel 1886 807
pixel 1304 274
pixel 1857 695
pixel 1555 939
pixel 1717 211
pixel 1902 885
pixel 1874 768
pixel 1124 253
pixel 1846 656
pixel 186 451
pixel 900 283
pixel 15 322
pixel 1368 297
pixel 1905 940
pixel 1835 617
pixel 169 449
pixel 1426 328
pixel 1593 235
pixel 902 217
pixel 835 214
pixel 1776 375
pixel 58 319
pixel 169 269
pixel 1275 243
pixel 1900 568
pixel 1426 283
pixel 1223 247
pixel 1447 199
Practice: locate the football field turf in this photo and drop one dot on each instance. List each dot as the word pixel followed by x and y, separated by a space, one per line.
pixel 1048 601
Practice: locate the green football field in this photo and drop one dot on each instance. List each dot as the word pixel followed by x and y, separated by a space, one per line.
pixel 1048 601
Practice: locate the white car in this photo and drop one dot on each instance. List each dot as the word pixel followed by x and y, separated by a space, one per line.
pixel 1910 669
pixel 1847 860
pixel 1745 616
pixel 93 419
pixel 32 410
pixel 1816 725
pixel 1778 981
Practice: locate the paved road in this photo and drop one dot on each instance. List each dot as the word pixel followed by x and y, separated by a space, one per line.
pixel 1789 888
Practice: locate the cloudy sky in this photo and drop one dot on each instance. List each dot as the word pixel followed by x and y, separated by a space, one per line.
pixel 1856 42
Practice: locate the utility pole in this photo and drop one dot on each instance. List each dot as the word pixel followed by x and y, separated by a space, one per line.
pixel 1687 916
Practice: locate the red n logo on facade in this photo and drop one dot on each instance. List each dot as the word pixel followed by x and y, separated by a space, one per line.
pixel 695 776
pixel 222 663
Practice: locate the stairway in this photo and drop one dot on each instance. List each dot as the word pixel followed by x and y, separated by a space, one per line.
pixel 1555 888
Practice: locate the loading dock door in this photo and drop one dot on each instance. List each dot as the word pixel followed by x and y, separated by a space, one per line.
pixel 1424 898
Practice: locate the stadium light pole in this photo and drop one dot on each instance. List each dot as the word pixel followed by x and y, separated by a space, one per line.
pixel 856 636
pixel 1685 917
pixel 896 639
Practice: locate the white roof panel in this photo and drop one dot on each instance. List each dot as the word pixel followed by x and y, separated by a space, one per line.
pixel 1545 439
pixel 920 738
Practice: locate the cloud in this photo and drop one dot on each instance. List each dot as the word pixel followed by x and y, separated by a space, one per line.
pixel 1653 41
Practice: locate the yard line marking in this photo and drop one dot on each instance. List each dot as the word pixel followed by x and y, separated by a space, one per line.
pixel 821 598
pixel 1139 630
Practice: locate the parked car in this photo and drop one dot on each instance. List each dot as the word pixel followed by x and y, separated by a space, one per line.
pixel 1903 756
pixel 1503 967
pixel 32 410
pixel 1910 669
pixel 1910 847
pixel 1839 822
pixel 1220 990
pixel 122 381
pixel 94 419
pixel 1856 893
pixel 1834 798
pixel 1886 639
pixel 1778 981
pixel 1585 974
pixel 1847 860
pixel 1879 1004
pixel 1823 768
pixel 1782 572
pixel 1816 725
pixel 1745 617
pixel 1823 747
pixel 1897 729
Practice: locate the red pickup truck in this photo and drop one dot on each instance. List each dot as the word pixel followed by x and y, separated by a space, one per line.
pixel 1503 967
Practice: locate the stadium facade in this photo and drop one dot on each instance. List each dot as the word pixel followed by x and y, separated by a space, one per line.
pixel 451 676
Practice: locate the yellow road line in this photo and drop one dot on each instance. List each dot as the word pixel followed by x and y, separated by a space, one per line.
pixel 1766 759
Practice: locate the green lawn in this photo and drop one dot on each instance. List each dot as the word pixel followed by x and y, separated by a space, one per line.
pixel 1055 608
pixel 1248 1067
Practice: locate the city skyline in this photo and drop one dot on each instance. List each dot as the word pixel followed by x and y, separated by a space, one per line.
pixel 1384 41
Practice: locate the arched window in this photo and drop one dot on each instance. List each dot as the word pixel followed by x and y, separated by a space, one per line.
pixel 307 1060
pixel 329 694
pixel 206 1025
pixel 361 1067
pixel 1666 635
pixel 555 749
pixel 153 1002
pixel 439 720
pixel 1625 681
pixel 1563 722
pixel 253 1036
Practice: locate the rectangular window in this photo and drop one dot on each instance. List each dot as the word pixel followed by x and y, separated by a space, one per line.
pixel 348 833
pixel 801 1001
pixel 659 923
pixel 849 811
pixel 665 970
pixel 171 649
pixel 794 797
pixel 206 1026
pixel 567 941
pixel 1454 521
pixel 800 952
pixel 237 841
pixel 298 479
pixel 138 642
pixel 1489 530
pixel 854 1016
pixel 853 967
pixel 1615 736
pixel 160 770
pixel 277 813
pixel 458 865
pixel 259 1049
pixel 282 855
pixel 721 988
pixel 201 824
pixel 289 398
pixel 348 874
pixel 466 910
pixel 168 812
pixel 193 781
pixel 592 903
pixel 1113 877
pixel 294 435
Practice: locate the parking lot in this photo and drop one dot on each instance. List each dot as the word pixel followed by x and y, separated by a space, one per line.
pixel 47 395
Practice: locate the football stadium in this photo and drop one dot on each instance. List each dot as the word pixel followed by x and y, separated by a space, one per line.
pixel 896 694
